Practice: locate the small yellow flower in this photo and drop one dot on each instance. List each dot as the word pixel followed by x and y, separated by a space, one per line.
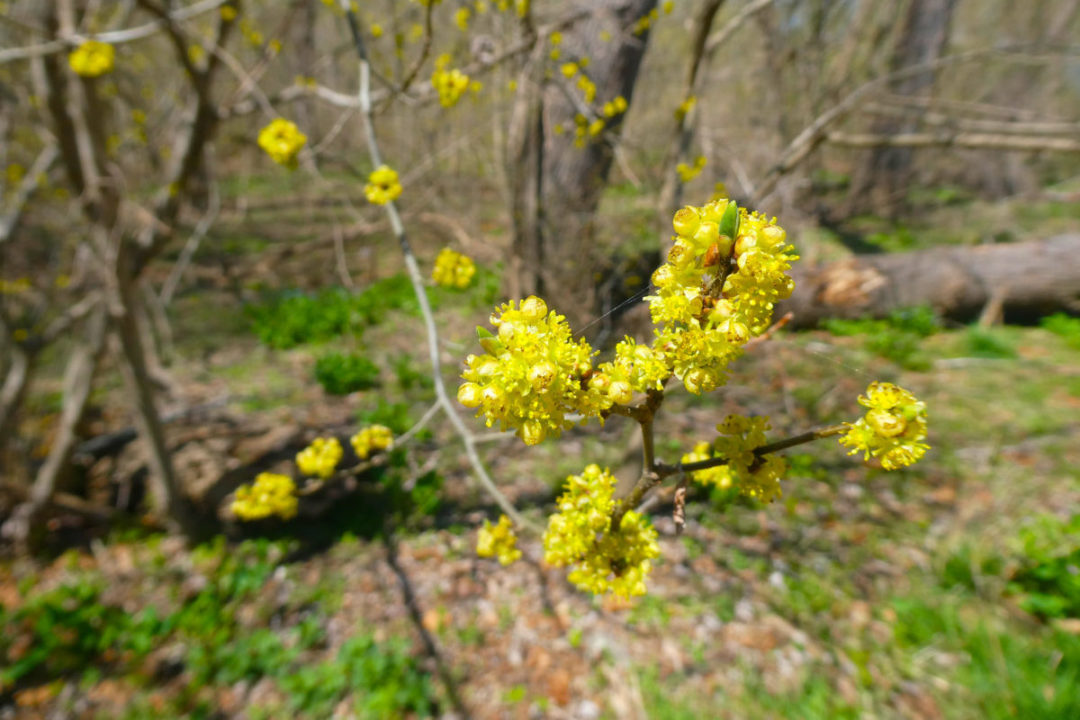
pixel 376 30
pixel 282 141
pixel 374 437
pixel 580 536
pixel 532 374
pixel 685 107
pixel 893 428
pixel 320 458
pixel 228 13
pixel 498 541
pixel 689 172
pixel 450 84
pixel 92 59
pixel 382 186
pixel 452 269
pixel 270 494
pixel 461 18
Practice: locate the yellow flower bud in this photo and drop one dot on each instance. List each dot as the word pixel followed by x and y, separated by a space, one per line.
pixel 533 308
pixel 745 243
pixel 686 221
pixel 663 276
pixel 532 432
pixel 469 395
pixel 773 236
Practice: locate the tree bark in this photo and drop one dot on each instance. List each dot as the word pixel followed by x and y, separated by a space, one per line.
pixel 880 182
pixel 1030 279
pixel 78 381
pixel 558 184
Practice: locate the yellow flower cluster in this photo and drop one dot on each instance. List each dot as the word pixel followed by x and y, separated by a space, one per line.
pixel 532 373
pixel 282 141
pixel 579 535
pixel 585 130
pixel 450 83
pixel 644 22
pixel 452 269
pixel 635 368
pixel 498 541
pixel 892 429
pixel 371 438
pixel 689 172
pixel 725 271
pixel 270 494
pixel 382 185
pixel 753 476
pixel 92 59
pixel 461 18
pixel 685 107
pixel 587 88
pixel 320 458
pixel 614 107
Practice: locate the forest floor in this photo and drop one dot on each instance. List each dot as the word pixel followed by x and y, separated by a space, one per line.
pixel 950 590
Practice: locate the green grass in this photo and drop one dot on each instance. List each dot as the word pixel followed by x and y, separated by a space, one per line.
pixel 225 633
pixel 897 338
pixel 1001 672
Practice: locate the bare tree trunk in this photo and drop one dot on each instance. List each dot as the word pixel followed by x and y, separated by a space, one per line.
pixel 560 184
pixel 168 496
pixel 78 381
pixel 880 182
pixel 1030 279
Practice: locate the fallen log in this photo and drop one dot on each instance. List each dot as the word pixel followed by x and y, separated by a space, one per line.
pixel 1029 280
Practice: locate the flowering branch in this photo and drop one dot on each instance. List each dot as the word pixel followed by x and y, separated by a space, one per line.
pixel 419 289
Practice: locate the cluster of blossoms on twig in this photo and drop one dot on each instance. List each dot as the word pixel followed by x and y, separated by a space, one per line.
pixel 453 269
pixel 370 439
pixel 579 535
pixel 282 141
pixel 753 476
pixel 450 83
pixel 382 186
pixel 92 59
pixel 892 429
pixel 498 541
pixel 273 495
pixel 320 458
pixel 726 270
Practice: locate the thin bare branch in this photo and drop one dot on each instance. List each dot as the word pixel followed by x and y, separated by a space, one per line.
pixel 115 37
